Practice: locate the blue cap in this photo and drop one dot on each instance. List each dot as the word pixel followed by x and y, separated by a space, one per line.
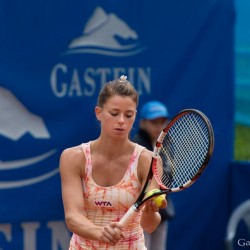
pixel 153 110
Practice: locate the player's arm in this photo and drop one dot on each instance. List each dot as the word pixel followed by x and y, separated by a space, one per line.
pixel 72 164
pixel 150 218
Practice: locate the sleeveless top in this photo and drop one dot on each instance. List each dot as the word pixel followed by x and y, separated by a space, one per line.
pixel 105 204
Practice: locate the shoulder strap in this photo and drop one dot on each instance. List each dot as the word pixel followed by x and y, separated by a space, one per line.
pixel 87 153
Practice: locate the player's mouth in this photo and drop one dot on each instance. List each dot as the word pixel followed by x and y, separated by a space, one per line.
pixel 120 129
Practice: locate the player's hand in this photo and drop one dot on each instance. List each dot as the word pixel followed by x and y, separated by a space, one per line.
pixel 112 233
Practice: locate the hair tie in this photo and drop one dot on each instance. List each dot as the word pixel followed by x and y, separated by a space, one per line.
pixel 123 78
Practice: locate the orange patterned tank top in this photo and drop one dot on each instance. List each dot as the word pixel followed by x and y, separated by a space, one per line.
pixel 105 204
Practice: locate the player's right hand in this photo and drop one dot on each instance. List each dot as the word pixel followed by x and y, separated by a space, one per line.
pixel 112 233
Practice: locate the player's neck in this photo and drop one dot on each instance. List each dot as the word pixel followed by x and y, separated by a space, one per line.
pixel 111 147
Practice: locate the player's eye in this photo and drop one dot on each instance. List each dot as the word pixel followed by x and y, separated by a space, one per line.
pixel 129 116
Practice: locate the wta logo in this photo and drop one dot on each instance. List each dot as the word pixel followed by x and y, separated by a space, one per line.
pixel 103 204
pixel 106 34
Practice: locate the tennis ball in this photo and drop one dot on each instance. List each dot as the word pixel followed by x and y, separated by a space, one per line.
pixel 157 199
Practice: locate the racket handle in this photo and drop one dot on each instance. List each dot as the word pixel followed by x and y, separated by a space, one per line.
pixel 128 216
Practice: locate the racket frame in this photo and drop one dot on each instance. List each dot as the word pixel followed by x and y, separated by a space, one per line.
pixel 159 142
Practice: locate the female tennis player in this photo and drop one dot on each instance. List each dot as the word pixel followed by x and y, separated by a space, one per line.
pixel 102 178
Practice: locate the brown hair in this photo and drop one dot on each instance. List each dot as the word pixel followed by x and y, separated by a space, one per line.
pixel 120 87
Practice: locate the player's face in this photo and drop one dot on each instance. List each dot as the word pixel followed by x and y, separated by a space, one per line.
pixel 117 116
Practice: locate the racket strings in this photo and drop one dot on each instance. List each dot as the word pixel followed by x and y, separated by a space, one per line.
pixel 183 151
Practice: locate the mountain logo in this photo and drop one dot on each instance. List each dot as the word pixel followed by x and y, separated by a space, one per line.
pixel 106 34
pixel 16 121
pixel 12 110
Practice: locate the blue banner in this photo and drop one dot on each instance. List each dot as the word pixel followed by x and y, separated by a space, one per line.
pixel 56 56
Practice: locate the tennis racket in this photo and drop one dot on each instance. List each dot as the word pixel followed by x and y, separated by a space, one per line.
pixel 182 152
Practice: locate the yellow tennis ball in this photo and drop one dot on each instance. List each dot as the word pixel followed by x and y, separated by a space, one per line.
pixel 158 199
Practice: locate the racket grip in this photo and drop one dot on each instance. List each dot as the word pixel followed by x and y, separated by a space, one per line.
pixel 128 216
